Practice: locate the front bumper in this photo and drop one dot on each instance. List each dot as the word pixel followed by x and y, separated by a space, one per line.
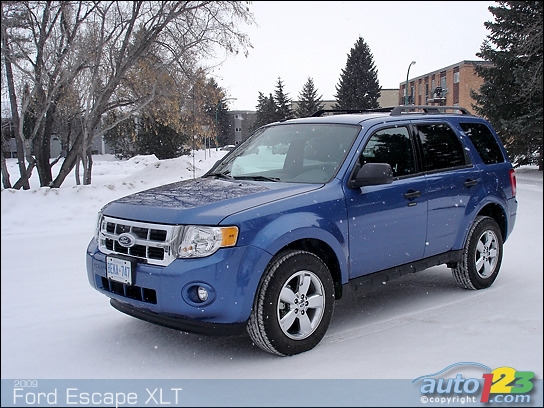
pixel 165 295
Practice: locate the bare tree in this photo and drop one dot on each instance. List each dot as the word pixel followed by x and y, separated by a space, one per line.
pixel 12 18
pixel 93 47
pixel 41 49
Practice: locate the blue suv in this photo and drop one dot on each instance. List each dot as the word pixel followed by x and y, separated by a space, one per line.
pixel 268 238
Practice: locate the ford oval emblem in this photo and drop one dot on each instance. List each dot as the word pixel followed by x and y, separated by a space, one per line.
pixel 126 240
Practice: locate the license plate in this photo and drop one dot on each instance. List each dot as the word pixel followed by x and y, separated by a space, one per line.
pixel 119 270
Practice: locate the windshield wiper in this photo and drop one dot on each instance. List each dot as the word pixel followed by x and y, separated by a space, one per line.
pixel 257 178
pixel 219 175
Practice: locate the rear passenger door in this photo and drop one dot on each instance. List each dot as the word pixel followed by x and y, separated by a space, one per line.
pixel 452 184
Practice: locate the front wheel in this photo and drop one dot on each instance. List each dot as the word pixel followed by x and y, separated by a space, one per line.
pixel 294 304
pixel 482 255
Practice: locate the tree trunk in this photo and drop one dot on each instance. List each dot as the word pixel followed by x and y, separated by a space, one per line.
pixel 24 182
pixel 5 173
pixel 25 177
pixel 42 148
pixel 76 173
pixel 87 170
pixel 69 162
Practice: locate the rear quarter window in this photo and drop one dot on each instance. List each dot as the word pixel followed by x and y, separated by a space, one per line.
pixel 485 143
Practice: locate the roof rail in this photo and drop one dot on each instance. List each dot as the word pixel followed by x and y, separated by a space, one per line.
pixel 323 112
pixel 428 109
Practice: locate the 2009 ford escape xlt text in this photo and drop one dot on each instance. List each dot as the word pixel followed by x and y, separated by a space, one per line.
pixel 268 238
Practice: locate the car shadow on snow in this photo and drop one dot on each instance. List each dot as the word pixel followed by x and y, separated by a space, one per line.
pixel 357 309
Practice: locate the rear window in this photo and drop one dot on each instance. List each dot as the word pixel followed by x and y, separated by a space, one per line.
pixel 486 145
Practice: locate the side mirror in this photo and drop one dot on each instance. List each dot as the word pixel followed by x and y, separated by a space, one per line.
pixel 372 174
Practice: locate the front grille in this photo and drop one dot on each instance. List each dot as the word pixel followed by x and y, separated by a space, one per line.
pixel 150 243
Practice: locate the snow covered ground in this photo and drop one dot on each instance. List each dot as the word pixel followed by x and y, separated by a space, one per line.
pixel 55 326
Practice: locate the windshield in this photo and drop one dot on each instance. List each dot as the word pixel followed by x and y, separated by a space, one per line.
pixel 298 153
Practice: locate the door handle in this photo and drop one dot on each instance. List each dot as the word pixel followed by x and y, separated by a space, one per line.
pixel 470 183
pixel 411 194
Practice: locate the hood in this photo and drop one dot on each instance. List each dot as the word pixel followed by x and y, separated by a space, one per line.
pixel 205 201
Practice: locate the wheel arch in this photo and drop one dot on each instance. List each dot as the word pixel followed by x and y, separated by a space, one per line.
pixel 496 212
pixel 312 233
pixel 491 209
pixel 323 251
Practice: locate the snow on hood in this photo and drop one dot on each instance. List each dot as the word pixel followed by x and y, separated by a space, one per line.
pixel 200 201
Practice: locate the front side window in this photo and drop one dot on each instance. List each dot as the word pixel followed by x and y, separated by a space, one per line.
pixel 393 146
pixel 441 147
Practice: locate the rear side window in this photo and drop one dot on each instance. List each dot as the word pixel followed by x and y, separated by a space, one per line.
pixel 484 142
pixel 441 147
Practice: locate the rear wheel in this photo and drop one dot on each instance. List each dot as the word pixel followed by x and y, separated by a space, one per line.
pixel 482 255
pixel 294 304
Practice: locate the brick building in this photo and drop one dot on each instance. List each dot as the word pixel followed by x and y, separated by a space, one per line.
pixel 449 86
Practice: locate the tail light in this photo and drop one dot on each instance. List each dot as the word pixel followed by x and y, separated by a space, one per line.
pixel 512 174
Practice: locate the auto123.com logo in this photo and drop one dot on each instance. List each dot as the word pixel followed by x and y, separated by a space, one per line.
pixel 501 385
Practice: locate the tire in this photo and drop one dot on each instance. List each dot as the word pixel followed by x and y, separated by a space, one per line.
pixel 293 305
pixel 482 255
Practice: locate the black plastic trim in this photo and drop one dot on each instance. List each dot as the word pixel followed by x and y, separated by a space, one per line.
pixel 378 278
pixel 180 323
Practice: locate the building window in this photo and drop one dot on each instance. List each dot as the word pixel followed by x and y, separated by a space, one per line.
pixel 456 76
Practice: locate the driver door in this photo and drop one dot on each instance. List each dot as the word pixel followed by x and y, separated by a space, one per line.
pixel 388 223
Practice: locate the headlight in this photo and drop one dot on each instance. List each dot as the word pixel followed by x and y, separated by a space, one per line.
pixel 98 225
pixel 199 241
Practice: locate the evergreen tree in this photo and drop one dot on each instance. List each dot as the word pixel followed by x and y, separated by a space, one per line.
pixel 358 87
pixel 159 139
pixel 283 102
pixel 267 111
pixel 122 136
pixel 511 95
pixel 309 102
pixel 222 123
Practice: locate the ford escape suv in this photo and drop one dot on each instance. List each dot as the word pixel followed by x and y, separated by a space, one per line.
pixel 268 238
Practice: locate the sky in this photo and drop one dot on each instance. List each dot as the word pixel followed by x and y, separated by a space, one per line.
pixel 297 40
pixel 54 326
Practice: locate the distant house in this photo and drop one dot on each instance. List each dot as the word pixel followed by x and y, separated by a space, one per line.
pixel 60 132
pixel 240 123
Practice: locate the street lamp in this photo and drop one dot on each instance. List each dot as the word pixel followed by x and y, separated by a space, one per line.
pixel 406 89
pixel 217 117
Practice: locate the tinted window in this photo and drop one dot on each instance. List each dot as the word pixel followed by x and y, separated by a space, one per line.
pixel 391 146
pixel 441 147
pixel 484 142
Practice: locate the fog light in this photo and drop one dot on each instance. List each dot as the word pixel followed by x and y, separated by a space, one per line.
pixel 198 294
pixel 202 294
